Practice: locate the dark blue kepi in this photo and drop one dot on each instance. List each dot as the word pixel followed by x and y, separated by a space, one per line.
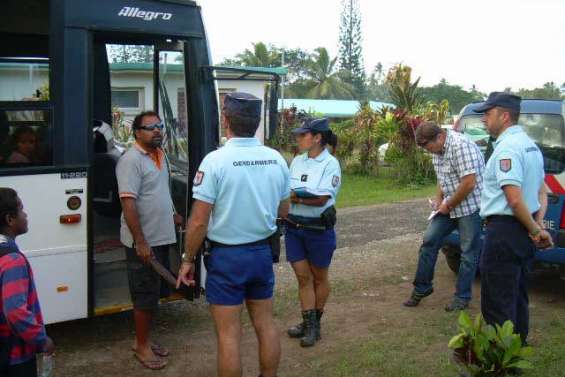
pixel 500 99
pixel 242 104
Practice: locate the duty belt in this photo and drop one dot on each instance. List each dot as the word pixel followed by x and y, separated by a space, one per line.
pixel 504 218
pixel 297 222
pixel 262 242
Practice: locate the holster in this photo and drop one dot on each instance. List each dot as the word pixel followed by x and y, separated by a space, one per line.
pixel 206 249
pixel 275 243
pixel 329 217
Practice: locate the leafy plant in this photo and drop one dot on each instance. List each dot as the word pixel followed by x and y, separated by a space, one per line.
pixel 487 351
pixel 404 93
pixel 436 112
pixel 123 133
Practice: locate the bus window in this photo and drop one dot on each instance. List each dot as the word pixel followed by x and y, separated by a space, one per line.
pixel 173 104
pixel 131 80
pixel 26 136
pixel 24 81
pixel 25 117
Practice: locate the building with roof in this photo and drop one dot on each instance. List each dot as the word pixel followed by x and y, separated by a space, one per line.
pixel 133 84
pixel 339 109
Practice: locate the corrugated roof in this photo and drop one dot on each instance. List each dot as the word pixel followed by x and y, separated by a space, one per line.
pixel 330 108
pixel 281 71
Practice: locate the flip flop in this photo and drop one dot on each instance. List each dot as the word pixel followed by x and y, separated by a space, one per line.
pixel 155 364
pixel 157 350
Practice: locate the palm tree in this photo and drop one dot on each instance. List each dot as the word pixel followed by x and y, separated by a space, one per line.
pixel 324 81
pixel 261 56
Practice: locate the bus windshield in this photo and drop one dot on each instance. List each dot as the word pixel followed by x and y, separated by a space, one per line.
pixel 547 130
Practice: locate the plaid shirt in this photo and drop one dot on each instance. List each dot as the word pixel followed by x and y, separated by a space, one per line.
pixel 460 157
pixel 20 315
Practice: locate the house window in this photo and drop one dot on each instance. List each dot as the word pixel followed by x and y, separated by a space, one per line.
pixel 129 100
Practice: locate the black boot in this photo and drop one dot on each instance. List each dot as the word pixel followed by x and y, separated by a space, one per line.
pixel 296 331
pixel 309 338
pixel 319 314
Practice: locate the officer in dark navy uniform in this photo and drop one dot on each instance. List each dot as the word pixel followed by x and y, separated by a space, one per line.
pixel 239 191
pixel 513 183
pixel 315 179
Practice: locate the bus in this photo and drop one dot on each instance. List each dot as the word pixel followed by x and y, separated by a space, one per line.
pixel 57 100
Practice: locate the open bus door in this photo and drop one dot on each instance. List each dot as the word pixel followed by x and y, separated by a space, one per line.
pixel 54 61
pixel 272 79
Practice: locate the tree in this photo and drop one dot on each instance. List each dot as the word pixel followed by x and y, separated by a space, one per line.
pixel 324 81
pixel 350 48
pixel 130 53
pixel 260 56
pixel 376 89
pixel 548 91
pixel 295 59
pixel 454 94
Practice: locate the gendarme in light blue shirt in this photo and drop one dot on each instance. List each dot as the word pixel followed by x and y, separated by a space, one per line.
pixel 245 181
pixel 516 161
pixel 320 175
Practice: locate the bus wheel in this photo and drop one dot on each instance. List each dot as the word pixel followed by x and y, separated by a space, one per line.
pixel 453 257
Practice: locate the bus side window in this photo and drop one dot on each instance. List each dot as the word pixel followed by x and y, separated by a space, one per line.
pixel 26 135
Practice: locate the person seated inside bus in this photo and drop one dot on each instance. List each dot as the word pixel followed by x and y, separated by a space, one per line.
pixel 24 147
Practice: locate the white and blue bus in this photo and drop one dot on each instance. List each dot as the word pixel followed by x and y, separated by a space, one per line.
pixel 55 90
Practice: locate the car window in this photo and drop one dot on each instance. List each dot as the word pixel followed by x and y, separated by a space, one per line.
pixel 547 130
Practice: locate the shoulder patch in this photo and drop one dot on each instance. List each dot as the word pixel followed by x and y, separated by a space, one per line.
pixel 198 178
pixel 335 180
pixel 304 178
pixel 506 165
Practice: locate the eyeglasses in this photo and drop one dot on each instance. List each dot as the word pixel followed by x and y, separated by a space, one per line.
pixel 152 127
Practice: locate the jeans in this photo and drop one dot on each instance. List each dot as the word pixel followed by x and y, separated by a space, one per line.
pixel 440 227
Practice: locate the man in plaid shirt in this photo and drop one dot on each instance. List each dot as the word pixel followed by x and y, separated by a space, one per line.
pixel 459 165
pixel 22 333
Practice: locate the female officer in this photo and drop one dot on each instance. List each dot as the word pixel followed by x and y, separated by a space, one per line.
pixel 315 178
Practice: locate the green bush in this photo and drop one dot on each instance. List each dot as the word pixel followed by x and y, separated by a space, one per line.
pixel 487 351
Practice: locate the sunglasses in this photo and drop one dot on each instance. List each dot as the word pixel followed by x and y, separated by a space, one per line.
pixel 152 127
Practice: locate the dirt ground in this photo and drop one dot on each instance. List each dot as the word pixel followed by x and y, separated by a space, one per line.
pixel 371 274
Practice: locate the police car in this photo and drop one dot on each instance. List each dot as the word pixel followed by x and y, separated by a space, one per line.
pixel 543 121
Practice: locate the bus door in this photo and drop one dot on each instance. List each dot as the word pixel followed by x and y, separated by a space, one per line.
pixel 156 79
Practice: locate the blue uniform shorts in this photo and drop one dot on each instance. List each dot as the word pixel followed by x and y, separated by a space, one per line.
pixel 235 274
pixel 314 246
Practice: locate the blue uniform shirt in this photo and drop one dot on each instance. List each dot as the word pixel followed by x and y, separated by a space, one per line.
pixel 245 181
pixel 320 176
pixel 517 161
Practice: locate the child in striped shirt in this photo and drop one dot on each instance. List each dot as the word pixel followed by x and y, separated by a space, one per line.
pixel 22 333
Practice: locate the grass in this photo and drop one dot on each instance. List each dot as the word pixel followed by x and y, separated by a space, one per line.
pixel 359 190
pixel 418 346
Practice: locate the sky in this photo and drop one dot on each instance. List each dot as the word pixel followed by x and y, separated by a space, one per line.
pixel 492 44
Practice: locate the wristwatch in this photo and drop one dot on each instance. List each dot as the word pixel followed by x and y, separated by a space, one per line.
pixel 186 258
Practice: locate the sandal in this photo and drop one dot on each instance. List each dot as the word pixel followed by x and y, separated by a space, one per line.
pixel 155 364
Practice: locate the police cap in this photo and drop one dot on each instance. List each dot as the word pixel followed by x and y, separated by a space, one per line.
pixel 242 104
pixel 500 99
pixel 313 125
